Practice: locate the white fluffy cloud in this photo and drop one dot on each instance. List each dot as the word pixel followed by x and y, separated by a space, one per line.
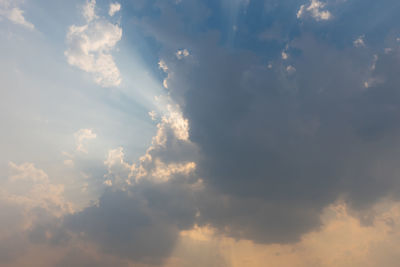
pixel 119 171
pixel 114 8
pixel 172 134
pixel 90 46
pixel 175 122
pixel 315 10
pixel 164 172
pixel 89 10
pixel 11 11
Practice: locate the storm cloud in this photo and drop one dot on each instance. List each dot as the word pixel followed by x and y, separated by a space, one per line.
pixel 276 120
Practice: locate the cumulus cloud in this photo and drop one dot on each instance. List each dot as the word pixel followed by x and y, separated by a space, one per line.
pixel 140 217
pixel 267 142
pixel 315 10
pixel 171 151
pixel 90 46
pixel 136 221
pixel 293 163
pixel 341 241
pixel 114 8
pixel 359 42
pixel 35 189
pixel 119 171
pixel 89 10
pixel 180 54
pixel 164 172
pixel 81 138
pixel 12 11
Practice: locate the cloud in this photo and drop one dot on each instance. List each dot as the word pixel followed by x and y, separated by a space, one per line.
pixel 164 172
pixel 139 218
pixel 124 224
pixel 267 142
pixel 341 241
pixel 114 8
pixel 256 157
pixel 153 115
pixel 177 122
pixel 163 66
pixel 119 171
pixel 284 55
pixel 32 205
pixel 89 10
pixel 136 221
pixel 90 45
pixel 16 16
pixel 315 10
pixel 33 189
pixel 171 152
pixel 26 172
pixel 11 11
pixel 359 42
pixel 81 138
pixel 180 54
pixel 290 69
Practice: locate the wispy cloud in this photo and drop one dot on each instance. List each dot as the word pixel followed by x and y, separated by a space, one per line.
pixel 11 11
pixel 81 138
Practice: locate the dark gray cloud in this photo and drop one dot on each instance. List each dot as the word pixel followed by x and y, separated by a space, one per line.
pixel 279 144
pixel 141 224
pixel 276 140
pixel 23 227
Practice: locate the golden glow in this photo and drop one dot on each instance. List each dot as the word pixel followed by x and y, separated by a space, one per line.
pixel 342 241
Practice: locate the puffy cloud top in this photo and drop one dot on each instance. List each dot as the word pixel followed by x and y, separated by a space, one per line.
pixel 89 47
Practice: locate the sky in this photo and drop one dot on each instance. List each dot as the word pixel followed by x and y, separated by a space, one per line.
pixel 196 133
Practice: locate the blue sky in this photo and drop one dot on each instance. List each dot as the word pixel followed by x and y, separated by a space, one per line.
pixel 199 133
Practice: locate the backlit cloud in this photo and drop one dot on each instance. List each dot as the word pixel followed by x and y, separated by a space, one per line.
pixel 315 9
pixel 90 46
pixel 245 133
